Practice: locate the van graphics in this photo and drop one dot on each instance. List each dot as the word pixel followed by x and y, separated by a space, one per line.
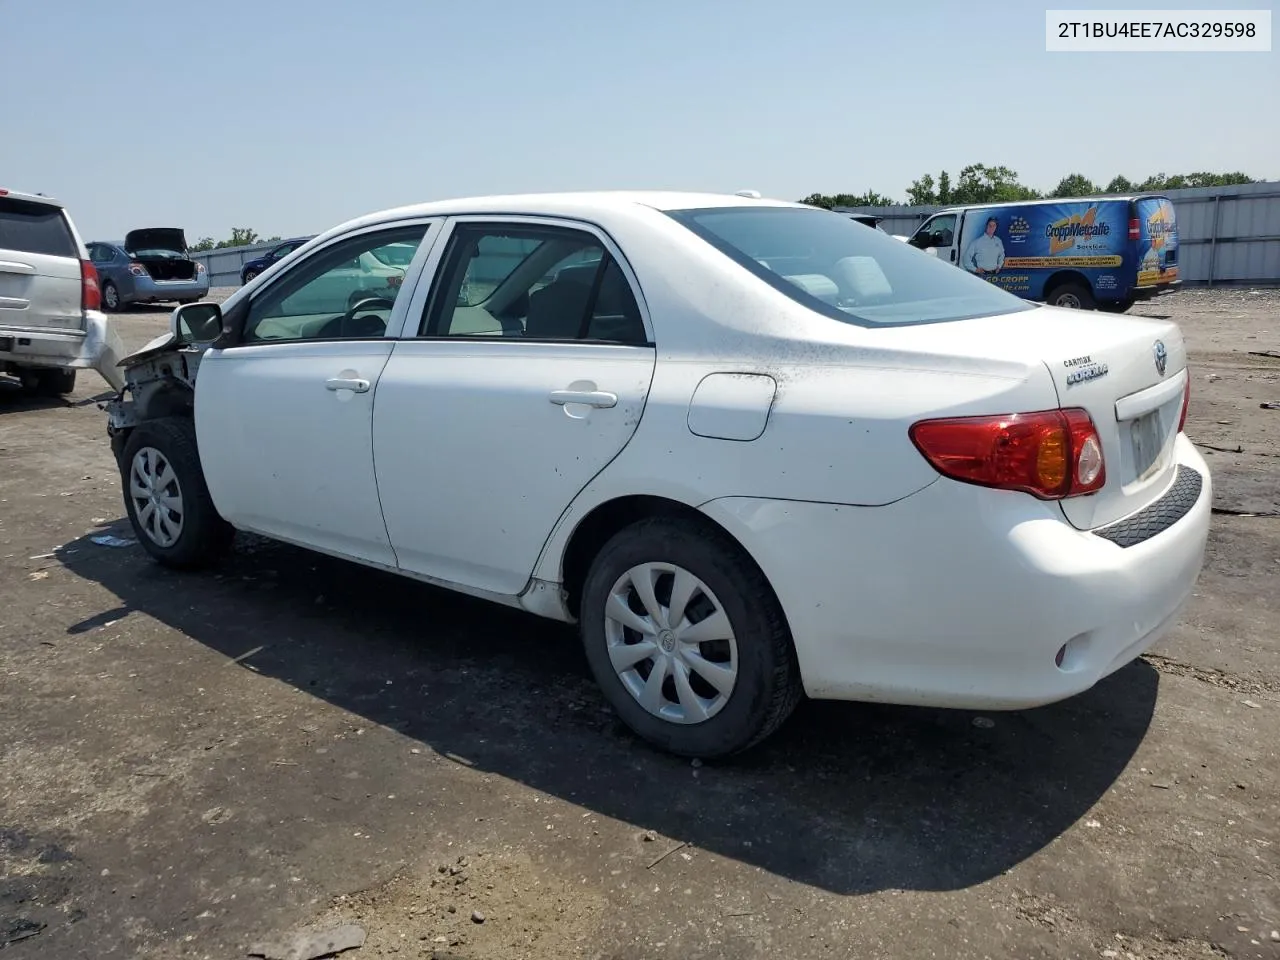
pixel 1158 242
pixel 1088 236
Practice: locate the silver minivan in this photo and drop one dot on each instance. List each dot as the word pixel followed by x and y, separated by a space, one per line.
pixel 51 322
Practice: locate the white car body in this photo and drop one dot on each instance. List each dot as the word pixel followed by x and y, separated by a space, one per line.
pixel 786 428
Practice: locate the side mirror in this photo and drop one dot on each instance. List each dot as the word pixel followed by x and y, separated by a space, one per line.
pixel 196 323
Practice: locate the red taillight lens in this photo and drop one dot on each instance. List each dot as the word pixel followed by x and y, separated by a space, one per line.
pixel 137 269
pixel 1186 402
pixel 1135 229
pixel 90 292
pixel 1050 454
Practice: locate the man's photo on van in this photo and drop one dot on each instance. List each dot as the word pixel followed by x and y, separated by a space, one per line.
pixel 985 252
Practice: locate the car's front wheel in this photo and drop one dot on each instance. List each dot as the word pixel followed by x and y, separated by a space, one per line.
pixel 166 497
pixel 686 639
pixel 250 274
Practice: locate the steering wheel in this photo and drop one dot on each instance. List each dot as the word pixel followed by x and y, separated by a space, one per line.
pixel 346 324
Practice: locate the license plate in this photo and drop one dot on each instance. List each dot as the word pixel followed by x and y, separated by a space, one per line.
pixel 1145 433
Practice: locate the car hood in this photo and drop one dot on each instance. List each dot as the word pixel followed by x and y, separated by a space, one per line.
pixel 156 238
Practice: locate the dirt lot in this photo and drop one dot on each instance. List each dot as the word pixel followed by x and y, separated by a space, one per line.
pixel 195 763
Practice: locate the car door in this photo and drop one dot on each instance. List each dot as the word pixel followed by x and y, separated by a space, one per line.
pixel 284 415
pixel 526 374
pixel 938 236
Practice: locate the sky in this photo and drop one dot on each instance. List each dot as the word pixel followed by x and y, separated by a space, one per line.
pixel 290 116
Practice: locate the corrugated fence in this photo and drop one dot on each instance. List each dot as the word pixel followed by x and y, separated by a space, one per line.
pixel 1226 235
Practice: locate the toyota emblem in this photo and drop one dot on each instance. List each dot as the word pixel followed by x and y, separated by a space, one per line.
pixel 1162 357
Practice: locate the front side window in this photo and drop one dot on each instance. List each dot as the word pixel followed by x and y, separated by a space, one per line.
pixel 341 292
pixel 838 268
pixel 938 232
pixel 536 283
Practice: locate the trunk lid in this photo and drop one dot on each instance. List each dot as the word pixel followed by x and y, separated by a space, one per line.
pixel 1129 373
pixel 156 238
pixel 40 283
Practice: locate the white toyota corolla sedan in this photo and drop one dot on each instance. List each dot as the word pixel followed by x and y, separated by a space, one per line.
pixel 753 449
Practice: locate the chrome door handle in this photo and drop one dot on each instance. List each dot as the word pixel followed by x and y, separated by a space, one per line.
pixel 341 383
pixel 592 398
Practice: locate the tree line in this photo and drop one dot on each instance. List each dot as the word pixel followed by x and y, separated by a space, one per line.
pixel 979 183
pixel 240 237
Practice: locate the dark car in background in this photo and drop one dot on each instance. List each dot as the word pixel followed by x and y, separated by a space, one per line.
pixel 281 250
pixel 151 266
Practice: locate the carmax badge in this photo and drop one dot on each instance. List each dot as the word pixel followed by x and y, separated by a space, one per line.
pixel 1083 369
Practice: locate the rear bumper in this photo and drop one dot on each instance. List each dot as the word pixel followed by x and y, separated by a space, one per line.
pixel 96 347
pixel 1151 292
pixel 960 596
pixel 147 290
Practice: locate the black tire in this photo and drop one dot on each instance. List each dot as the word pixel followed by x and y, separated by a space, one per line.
pixel 249 275
pixel 767 688
pixel 204 535
pixel 110 298
pixel 1071 295
pixel 56 383
pixel 1115 306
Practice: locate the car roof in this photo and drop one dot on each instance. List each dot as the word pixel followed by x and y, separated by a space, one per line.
pixel 32 197
pixel 1046 201
pixel 571 204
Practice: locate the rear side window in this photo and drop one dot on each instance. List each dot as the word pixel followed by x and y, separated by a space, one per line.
pixel 35 228
pixel 839 268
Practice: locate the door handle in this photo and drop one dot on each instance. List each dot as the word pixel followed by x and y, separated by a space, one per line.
pixel 355 385
pixel 592 398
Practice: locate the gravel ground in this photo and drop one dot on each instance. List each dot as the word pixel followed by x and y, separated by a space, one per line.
pixel 196 763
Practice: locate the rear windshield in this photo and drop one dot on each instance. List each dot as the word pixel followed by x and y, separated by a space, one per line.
pixel 836 266
pixel 35 228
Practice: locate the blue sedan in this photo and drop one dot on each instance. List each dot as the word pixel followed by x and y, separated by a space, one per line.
pixel 151 266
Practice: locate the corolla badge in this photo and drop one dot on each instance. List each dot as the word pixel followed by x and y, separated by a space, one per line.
pixel 1162 357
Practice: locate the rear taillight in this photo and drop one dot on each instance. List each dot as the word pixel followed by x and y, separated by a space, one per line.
pixel 1050 454
pixel 137 269
pixel 90 292
pixel 199 267
pixel 1135 229
pixel 1186 402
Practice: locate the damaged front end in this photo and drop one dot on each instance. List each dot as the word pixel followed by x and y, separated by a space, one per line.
pixel 157 381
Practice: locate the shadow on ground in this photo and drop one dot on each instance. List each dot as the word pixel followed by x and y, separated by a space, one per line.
pixel 15 399
pixel 847 797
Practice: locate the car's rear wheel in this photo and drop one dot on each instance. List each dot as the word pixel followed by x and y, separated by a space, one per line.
pixel 686 639
pixel 166 497
pixel 55 383
pixel 110 297
pixel 1074 296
